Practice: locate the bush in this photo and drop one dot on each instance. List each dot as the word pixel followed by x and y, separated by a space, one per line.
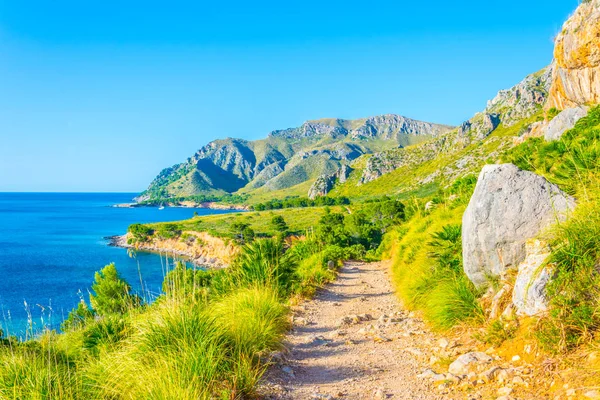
pixel 574 292
pixel 140 232
pixel 111 293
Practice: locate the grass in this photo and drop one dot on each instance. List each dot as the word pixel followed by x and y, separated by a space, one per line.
pixel 207 337
pixel 297 219
pixel 427 265
pixel 573 163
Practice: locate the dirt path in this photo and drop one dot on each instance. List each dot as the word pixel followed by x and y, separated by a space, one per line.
pixel 354 341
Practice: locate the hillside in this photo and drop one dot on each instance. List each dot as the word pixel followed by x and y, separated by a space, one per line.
pixel 287 158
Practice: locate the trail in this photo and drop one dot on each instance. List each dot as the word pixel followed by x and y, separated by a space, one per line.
pixel 354 341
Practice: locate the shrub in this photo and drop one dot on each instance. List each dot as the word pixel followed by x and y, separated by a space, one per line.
pixel 140 232
pixel 574 293
pixel 111 292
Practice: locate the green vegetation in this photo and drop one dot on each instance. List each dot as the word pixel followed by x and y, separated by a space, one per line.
pixel 291 202
pixel 573 163
pixel 426 253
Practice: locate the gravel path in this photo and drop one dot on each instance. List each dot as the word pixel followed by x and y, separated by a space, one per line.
pixel 354 341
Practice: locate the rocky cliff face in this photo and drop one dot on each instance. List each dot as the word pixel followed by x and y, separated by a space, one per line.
pixel 576 77
pixel 324 183
pixel 387 127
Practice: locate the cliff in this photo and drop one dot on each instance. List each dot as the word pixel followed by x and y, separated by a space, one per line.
pixel 576 77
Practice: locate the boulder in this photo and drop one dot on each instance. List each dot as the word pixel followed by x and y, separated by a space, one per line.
pixel 508 207
pixel 563 122
pixel 529 293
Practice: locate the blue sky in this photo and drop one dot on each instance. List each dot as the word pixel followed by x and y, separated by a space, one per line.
pixel 100 96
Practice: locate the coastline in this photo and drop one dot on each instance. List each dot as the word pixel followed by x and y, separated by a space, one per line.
pixel 188 204
pixel 207 251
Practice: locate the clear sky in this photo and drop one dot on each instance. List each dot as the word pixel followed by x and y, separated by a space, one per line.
pixel 101 95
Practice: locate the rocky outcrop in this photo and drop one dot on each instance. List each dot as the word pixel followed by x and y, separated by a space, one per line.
pixel 480 126
pixel 509 106
pixel 563 122
pixel 324 183
pixel 199 247
pixel 529 292
pixel 508 207
pixel 576 78
pixel 522 100
pixel 321 186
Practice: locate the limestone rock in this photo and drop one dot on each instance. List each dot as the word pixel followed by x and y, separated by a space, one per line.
pixel 564 122
pixel 529 293
pixel 508 207
pixel 321 186
pixel 463 364
pixel 576 78
pixel 479 126
pixel 324 183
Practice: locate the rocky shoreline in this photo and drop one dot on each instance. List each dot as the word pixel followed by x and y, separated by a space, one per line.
pixel 213 253
pixel 188 204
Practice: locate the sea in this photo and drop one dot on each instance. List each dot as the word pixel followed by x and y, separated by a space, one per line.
pixel 51 244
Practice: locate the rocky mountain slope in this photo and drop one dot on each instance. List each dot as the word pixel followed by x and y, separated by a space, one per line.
pixel 288 157
pixel 576 78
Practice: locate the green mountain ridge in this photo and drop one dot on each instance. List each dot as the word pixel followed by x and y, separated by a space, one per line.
pixel 346 156
pixel 287 158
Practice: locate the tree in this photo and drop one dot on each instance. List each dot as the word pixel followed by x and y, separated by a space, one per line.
pixel 242 232
pixel 279 224
pixel 77 317
pixel 331 229
pixel 140 232
pixel 111 292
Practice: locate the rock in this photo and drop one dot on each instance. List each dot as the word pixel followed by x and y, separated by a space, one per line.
pixel 321 186
pixel 529 293
pixel 504 375
pixel 592 394
pixel 498 299
pixel 319 396
pixel 504 391
pixel 480 126
pixel 381 339
pixel 563 122
pixel 443 343
pixel 300 321
pixel 288 370
pixel 463 364
pixel 379 394
pixel 428 374
pixel 570 392
pixel 576 77
pixel 517 380
pixel 508 207
pixel 330 265
pixel 490 374
pixel 516 358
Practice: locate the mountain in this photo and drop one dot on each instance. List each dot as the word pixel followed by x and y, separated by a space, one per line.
pixel 289 157
pixel 391 154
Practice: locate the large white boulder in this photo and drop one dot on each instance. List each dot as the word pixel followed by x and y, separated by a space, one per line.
pixel 508 207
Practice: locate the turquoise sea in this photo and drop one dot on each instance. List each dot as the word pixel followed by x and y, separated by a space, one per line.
pixel 52 243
